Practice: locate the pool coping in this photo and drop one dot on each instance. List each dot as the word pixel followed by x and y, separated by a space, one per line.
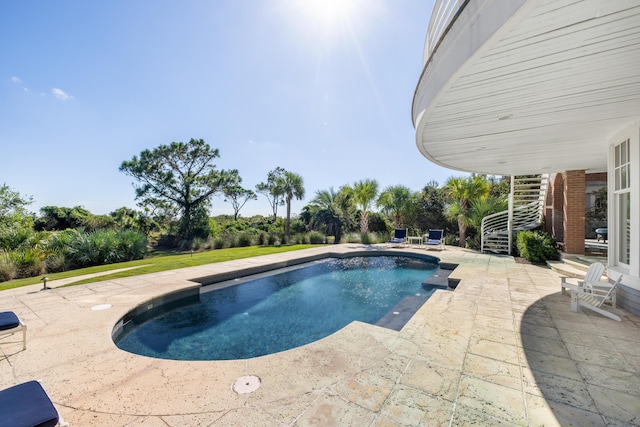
pixel 265 268
pixel 407 307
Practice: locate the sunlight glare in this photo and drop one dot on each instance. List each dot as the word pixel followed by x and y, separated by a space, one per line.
pixel 328 19
pixel 328 13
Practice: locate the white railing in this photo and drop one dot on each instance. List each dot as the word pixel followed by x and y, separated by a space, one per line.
pixel 443 13
pixel 526 209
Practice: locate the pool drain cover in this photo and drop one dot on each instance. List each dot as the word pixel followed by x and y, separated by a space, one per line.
pixel 101 307
pixel 246 384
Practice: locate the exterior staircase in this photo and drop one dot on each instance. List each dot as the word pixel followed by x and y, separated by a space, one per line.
pixel 574 265
pixel 526 209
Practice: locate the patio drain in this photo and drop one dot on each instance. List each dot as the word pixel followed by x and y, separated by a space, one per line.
pixel 246 384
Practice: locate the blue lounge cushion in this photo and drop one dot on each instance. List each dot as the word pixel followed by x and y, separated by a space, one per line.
pixel 27 405
pixel 435 237
pixel 8 320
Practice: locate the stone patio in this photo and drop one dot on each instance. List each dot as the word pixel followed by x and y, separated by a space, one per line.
pixel 502 349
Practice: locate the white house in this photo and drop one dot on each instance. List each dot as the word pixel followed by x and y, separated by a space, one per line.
pixel 518 87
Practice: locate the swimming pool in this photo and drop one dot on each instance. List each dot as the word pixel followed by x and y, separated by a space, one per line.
pixel 277 312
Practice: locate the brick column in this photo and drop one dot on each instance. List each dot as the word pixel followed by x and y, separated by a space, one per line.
pixel 574 211
pixel 557 201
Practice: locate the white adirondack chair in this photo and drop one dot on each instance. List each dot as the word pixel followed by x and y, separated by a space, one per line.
pixel 594 274
pixel 597 301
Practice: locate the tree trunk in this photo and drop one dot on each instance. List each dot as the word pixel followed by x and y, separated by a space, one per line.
pixel 364 222
pixel 185 222
pixel 463 234
pixel 337 233
pixel 288 223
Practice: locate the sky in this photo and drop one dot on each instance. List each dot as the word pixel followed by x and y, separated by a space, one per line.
pixel 322 88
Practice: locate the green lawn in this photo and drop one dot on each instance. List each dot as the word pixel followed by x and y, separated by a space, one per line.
pixel 158 263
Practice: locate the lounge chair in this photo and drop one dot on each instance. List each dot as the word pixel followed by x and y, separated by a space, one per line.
pixel 28 405
pixel 399 236
pixel 595 301
pixel 594 274
pixel 600 287
pixel 435 238
pixel 10 324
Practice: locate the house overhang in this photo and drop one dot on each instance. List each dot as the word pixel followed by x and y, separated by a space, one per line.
pixel 530 86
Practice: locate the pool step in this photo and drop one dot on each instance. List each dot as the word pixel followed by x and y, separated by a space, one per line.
pixel 402 312
pixel 441 278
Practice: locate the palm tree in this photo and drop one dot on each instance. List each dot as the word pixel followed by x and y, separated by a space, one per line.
pixel 364 193
pixel 332 210
pixel 484 206
pixel 292 185
pixel 394 200
pixel 462 191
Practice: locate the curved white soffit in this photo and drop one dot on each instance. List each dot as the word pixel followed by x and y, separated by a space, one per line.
pixel 452 58
pixel 511 12
pixel 421 123
pixel 419 131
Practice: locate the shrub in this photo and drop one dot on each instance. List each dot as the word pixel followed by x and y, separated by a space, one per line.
pixel 8 267
pixel 367 238
pixel 272 240
pixel 316 238
pixel 100 247
pixel 536 247
pixel 474 242
pixel 56 262
pixel 377 223
pixel 29 262
pixel 131 244
pixel 263 238
pixel 194 244
pixel 14 238
pixel 380 237
pixel 168 241
pixel 298 239
pixel 244 240
pixel 230 238
pixel 351 238
pixel 218 243
pixel 451 239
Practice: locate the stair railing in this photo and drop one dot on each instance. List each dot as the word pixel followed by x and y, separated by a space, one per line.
pixel 525 212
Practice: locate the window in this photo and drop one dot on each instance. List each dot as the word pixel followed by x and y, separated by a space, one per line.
pixel 622 198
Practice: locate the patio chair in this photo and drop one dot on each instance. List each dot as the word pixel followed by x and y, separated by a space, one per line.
pixel 600 287
pixel 28 405
pixel 10 324
pixel 594 274
pixel 597 302
pixel 435 238
pixel 399 236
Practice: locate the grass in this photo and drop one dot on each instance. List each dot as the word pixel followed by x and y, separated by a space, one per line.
pixel 156 264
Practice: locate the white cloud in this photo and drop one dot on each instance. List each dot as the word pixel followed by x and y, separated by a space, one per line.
pixel 16 80
pixel 60 94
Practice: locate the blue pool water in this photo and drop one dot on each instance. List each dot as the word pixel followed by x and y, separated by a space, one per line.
pixel 280 311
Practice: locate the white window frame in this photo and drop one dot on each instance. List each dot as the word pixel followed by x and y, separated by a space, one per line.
pixel 630 271
pixel 621 189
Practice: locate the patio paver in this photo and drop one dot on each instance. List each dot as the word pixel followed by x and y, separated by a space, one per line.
pixel 502 349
